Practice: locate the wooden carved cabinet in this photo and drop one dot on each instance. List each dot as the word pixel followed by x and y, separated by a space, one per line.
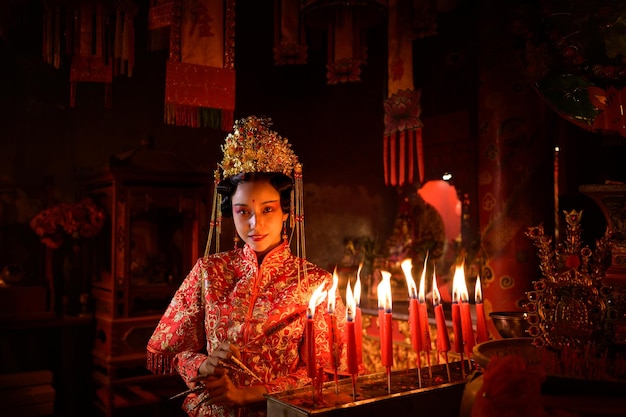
pixel 156 229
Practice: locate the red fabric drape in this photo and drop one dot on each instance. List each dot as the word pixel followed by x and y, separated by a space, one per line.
pixel 402 152
pixel 159 20
pixel 97 37
pixel 402 143
pixel 91 60
pixel 200 74
pixel 289 35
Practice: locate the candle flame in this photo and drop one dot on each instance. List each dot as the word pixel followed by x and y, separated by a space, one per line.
pixel 459 287
pixel 350 303
pixel 407 266
pixel 332 293
pixel 436 293
pixel 357 287
pixel 316 299
pixel 478 291
pixel 422 293
pixel 384 292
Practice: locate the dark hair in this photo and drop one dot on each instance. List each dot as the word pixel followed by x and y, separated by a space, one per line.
pixel 227 187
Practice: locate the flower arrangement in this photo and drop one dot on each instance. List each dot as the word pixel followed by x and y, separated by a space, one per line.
pixel 82 219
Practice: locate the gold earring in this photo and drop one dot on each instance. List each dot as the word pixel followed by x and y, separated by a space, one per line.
pixel 285 230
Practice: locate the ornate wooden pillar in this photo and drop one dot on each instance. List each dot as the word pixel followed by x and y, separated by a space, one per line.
pixel 515 179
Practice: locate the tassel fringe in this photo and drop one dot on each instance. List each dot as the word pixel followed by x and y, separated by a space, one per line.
pixel 402 154
pixel 191 116
pixel 160 363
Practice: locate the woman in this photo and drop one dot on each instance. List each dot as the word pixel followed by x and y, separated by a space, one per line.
pixel 250 302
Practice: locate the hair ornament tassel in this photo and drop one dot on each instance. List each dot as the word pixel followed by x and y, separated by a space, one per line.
pixel 216 217
pixel 298 218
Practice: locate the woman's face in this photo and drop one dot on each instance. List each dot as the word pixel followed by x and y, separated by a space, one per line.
pixel 258 216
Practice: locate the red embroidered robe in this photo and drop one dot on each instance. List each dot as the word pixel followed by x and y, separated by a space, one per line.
pixel 260 308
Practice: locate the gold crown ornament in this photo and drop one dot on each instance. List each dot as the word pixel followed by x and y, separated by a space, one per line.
pixel 254 147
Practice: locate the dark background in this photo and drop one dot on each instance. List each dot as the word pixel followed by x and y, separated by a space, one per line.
pixel 336 130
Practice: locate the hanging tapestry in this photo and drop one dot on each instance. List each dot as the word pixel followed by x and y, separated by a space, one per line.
pixel 92 50
pixel 200 74
pixel 56 21
pixel 402 141
pixel 159 19
pixel 345 23
pixel 345 55
pixel 124 50
pixel 97 38
pixel 290 46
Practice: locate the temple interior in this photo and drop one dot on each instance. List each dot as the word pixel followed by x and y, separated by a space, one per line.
pixel 484 133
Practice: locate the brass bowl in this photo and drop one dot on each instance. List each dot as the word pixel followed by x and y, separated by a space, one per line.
pixel 510 324
pixel 520 346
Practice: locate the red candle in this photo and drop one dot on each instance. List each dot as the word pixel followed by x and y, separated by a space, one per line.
pixel 456 312
pixel 381 332
pixel 385 319
pixel 311 356
pixel 331 320
pixel 388 358
pixel 414 324
pixel 443 340
pixel 358 329
pixel 423 314
pixel 464 306
pixel 333 344
pixel 462 298
pixel 466 323
pixel 358 324
pixel 481 322
pixel 310 348
pixel 353 366
pixel 414 318
pixel 425 330
pixel 456 327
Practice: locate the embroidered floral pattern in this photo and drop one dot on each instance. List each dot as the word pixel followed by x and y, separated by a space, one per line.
pixel 252 307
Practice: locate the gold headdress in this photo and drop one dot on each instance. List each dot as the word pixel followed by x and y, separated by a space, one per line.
pixel 254 147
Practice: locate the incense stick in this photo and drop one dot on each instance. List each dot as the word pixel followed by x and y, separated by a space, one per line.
pixel 243 368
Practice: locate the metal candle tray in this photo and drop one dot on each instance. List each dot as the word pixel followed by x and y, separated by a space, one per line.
pixel 437 396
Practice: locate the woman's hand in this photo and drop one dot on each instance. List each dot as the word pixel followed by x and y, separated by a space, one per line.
pixel 212 362
pixel 220 389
